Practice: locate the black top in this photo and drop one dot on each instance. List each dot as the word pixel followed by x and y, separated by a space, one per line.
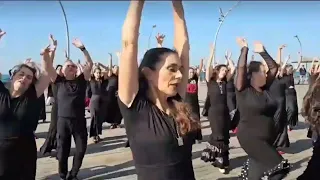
pixel 256 108
pixel 289 82
pixel 18 116
pixel 153 140
pixel 98 87
pixel 71 96
pixel 113 82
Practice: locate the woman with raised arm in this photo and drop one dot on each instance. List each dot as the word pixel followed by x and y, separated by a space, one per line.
pixel 291 94
pixel 157 122
pixel 114 115
pixel 98 102
pixel 71 92
pixel 256 132
pixel 218 115
pixel 19 117
pixel 277 90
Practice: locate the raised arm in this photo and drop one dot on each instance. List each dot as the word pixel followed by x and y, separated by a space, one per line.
pixel 272 65
pixel 230 65
pixel 299 62
pixel 110 65
pixel 87 69
pixel 47 69
pixel 128 64
pixel 279 54
pixel 209 69
pixel 181 43
pixel 199 70
pixel 283 66
pixel 242 65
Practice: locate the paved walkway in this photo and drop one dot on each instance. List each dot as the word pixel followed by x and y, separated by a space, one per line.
pixel 110 160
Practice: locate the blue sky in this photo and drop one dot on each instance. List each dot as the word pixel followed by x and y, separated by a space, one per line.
pixel 98 25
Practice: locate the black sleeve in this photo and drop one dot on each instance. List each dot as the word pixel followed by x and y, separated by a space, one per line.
pixel 89 92
pixel 59 79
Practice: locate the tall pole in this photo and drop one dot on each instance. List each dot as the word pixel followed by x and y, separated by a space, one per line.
pixel 67 29
pixel 221 21
pixel 149 40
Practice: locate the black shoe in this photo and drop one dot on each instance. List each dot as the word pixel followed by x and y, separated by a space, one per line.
pixel 72 178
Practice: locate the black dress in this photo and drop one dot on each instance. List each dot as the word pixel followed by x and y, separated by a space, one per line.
pixel 154 142
pixel 114 115
pixel 42 107
pixel 291 101
pixel 256 132
pixel 278 93
pixel 51 139
pixel 192 99
pixel 18 119
pixel 98 105
pixel 219 118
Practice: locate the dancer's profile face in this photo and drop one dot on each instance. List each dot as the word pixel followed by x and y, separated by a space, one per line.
pixel 69 69
pixel 191 73
pixel 222 72
pixel 22 79
pixel 289 70
pixel 260 77
pixel 167 75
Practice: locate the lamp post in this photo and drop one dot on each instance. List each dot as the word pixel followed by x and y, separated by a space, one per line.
pixel 67 29
pixel 153 27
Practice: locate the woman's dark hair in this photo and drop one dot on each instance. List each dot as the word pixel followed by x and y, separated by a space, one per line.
pixel 181 111
pixel 216 71
pixel 254 66
pixel 58 66
pixel 311 105
pixel 17 68
pixel 94 70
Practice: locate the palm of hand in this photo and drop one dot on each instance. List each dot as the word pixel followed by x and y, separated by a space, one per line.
pixel 77 43
pixel 258 47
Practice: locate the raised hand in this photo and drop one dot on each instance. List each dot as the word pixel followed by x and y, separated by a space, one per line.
pixel 53 42
pixel 160 38
pixel 228 55
pixel 118 54
pixel 258 47
pixel 77 43
pixel 28 60
pixel 314 67
pixel 2 33
pixel 242 42
pixel 45 53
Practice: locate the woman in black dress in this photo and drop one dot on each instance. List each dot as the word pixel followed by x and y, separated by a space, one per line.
pixel 157 123
pixel 218 115
pixel 256 129
pixel 51 139
pixel 19 117
pixel 192 94
pixel 98 102
pixel 310 110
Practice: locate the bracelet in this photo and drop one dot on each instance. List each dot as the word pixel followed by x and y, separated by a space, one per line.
pixel 82 48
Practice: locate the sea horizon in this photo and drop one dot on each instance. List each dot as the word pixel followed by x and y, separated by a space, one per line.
pixel 5 78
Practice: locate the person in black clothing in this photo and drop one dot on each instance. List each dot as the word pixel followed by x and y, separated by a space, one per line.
pixel 310 111
pixel 303 74
pixel 157 123
pixel 71 91
pixel 291 98
pixel 19 118
pixel 98 102
pixel 51 139
pixel 256 132
pixel 218 115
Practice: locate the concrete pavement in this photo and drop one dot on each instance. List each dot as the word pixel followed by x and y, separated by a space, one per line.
pixel 110 160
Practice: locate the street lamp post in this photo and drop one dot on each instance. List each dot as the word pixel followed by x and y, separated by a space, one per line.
pixel 67 29
pixel 153 27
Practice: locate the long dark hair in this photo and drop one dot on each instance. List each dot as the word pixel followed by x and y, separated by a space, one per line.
pixel 311 105
pixel 254 66
pixel 181 111
pixel 216 71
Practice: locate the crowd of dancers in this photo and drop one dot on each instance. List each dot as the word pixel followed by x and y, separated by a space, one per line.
pixel 159 103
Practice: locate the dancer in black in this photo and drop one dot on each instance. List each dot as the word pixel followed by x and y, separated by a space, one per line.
pixel 51 139
pixel 218 114
pixel 19 117
pixel 310 111
pixel 277 90
pixel 71 91
pixel 192 94
pixel 156 121
pixel 98 102
pixel 256 132
pixel 114 114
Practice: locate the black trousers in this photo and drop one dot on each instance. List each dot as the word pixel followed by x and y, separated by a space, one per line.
pixel 18 158
pixel 67 127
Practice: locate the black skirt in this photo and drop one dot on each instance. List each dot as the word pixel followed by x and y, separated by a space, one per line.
pixel 51 139
pixel 98 111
